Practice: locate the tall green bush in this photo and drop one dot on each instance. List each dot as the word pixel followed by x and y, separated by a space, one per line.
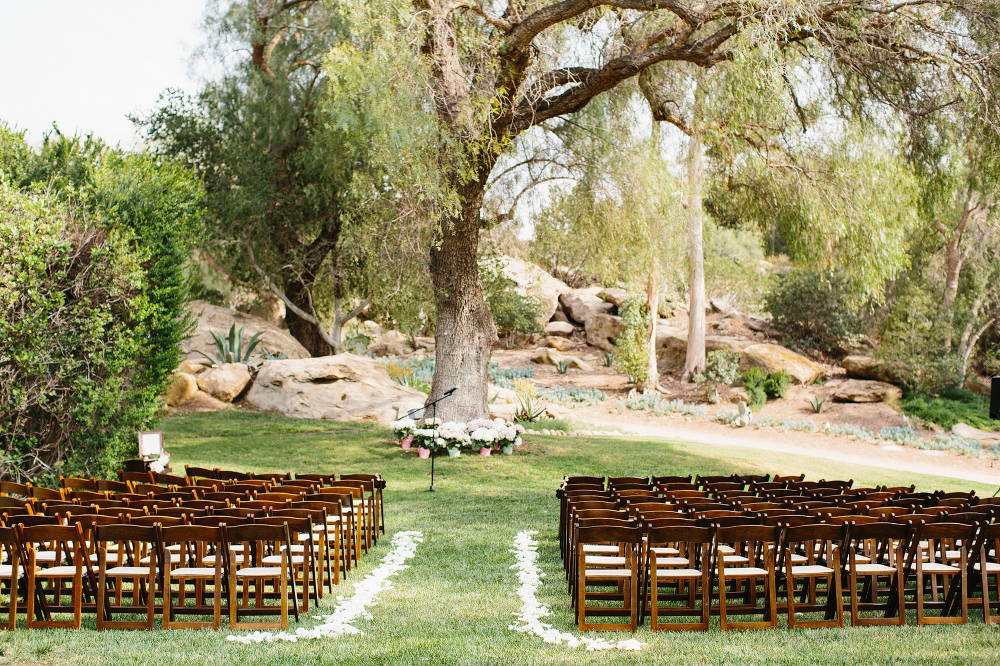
pixel 92 295
pixel 632 357
pixel 813 311
pixel 512 311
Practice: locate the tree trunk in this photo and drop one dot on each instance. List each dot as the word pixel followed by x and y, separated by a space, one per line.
pixel 653 302
pixel 695 360
pixel 306 332
pixel 465 333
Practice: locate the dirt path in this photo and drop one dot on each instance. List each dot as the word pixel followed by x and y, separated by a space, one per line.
pixel 841 449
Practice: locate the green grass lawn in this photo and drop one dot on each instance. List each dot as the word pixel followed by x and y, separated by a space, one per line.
pixel 455 602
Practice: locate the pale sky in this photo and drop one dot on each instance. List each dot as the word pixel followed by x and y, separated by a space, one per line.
pixel 86 64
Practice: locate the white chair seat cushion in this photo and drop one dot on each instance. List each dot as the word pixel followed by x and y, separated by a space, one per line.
pixel 875 568
pixel 6 570
pixel 604 560
pixel 811 570
pixel 608 573
pixel 677 573
pixel 595 548
pixel 193 572
pixel 128 571
pixel 991 567
pixel 53 572
pixel 937 567
pixel 744 572
pixel 667 550
pixel 259 572
pixel 276 559
pixel 672 562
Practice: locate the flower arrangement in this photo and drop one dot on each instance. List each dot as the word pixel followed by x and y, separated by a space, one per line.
pixel 481 434
pixel 403 431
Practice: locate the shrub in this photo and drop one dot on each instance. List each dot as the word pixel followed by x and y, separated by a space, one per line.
pixel 777 383
pixel 633 354
pixel 814 311
pixel 950 407
pixel 754 377
pixel 757 397
pixel 75 325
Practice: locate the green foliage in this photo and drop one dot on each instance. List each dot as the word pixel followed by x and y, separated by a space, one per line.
pixel 651 402
pixel 817 405
pixel 950 407
pixel 512 312
pixel 415 373
pixel 574 394
pixel 528 410
pixel 754 377
pixel 721 367
pixel 562 367
pixel 777 383
pixel 505 377
pixel 124 225
pixel 814 311
pixel 71 317
pixel 608 359
pixel 757 396
pixel 230 348
pixel 633 353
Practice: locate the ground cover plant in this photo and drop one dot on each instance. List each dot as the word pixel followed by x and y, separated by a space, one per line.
pixel 455 602
pixel 951 406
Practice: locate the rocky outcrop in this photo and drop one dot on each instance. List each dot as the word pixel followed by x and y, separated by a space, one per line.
pixel 181 389
pixel 671 347
pixel 545 356
pixel 560 344
pixel 533 281
pixel 987 439
pixel 613 295
pixel 602 330
pixel 201 402
pixel 344 387
pixel 565 329
pixel 390 343
pixel 582 304
pixel 866 390
pixel 226 381
pixel 775 357
pixel 865 367
pixel 213 318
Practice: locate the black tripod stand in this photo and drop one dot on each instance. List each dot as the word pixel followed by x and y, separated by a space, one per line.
pixel 433 407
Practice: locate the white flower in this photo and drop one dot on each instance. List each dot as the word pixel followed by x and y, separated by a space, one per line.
pixel 529 619
pixel 483 435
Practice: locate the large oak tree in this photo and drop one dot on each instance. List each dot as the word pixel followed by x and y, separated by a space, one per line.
pixel 496 69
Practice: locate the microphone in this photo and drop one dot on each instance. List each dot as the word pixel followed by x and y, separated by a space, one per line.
pixel 449 391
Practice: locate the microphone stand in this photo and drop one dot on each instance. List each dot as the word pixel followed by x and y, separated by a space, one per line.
pixel 433 407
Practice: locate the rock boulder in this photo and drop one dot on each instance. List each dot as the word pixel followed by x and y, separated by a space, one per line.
pixel 545 356
pixel 613 295
pixel 582 304
pixel 226 381
pixel 671 347
pixel 534 281
pixel 865 367
pixel 344 387
pixel 987 439
pixel 181 389
pixel 602 330
pixel 565 329
pixel 866 390
pixel 213 318
pixel 560 344
pixel 775 357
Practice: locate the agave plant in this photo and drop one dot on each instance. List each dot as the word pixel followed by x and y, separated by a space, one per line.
pixel 230 348
pixel 562 367
pixel 528 411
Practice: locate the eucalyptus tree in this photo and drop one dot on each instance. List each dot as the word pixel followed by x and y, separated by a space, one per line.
pixel 282 211
pixel 486 72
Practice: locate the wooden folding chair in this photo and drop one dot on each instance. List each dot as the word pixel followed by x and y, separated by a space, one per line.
pixel 195 543
pixel 137 552
pixel 68 562
pixel 11 572
pixel 819 547
pixel 379 485
pixel 259 541
pixel 629 540
pixel 986 566
pixel 302 559
pixel 76 483
pixel 750 565
pixel 679 555
pixel 943 539
pixel 876 550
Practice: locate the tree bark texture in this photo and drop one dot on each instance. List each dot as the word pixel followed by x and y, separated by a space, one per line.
pixel 465 334
pixel 653 303
pixel 306 332
pixel 695 359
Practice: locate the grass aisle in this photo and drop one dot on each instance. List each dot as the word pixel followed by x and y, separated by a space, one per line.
pixel 454 603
